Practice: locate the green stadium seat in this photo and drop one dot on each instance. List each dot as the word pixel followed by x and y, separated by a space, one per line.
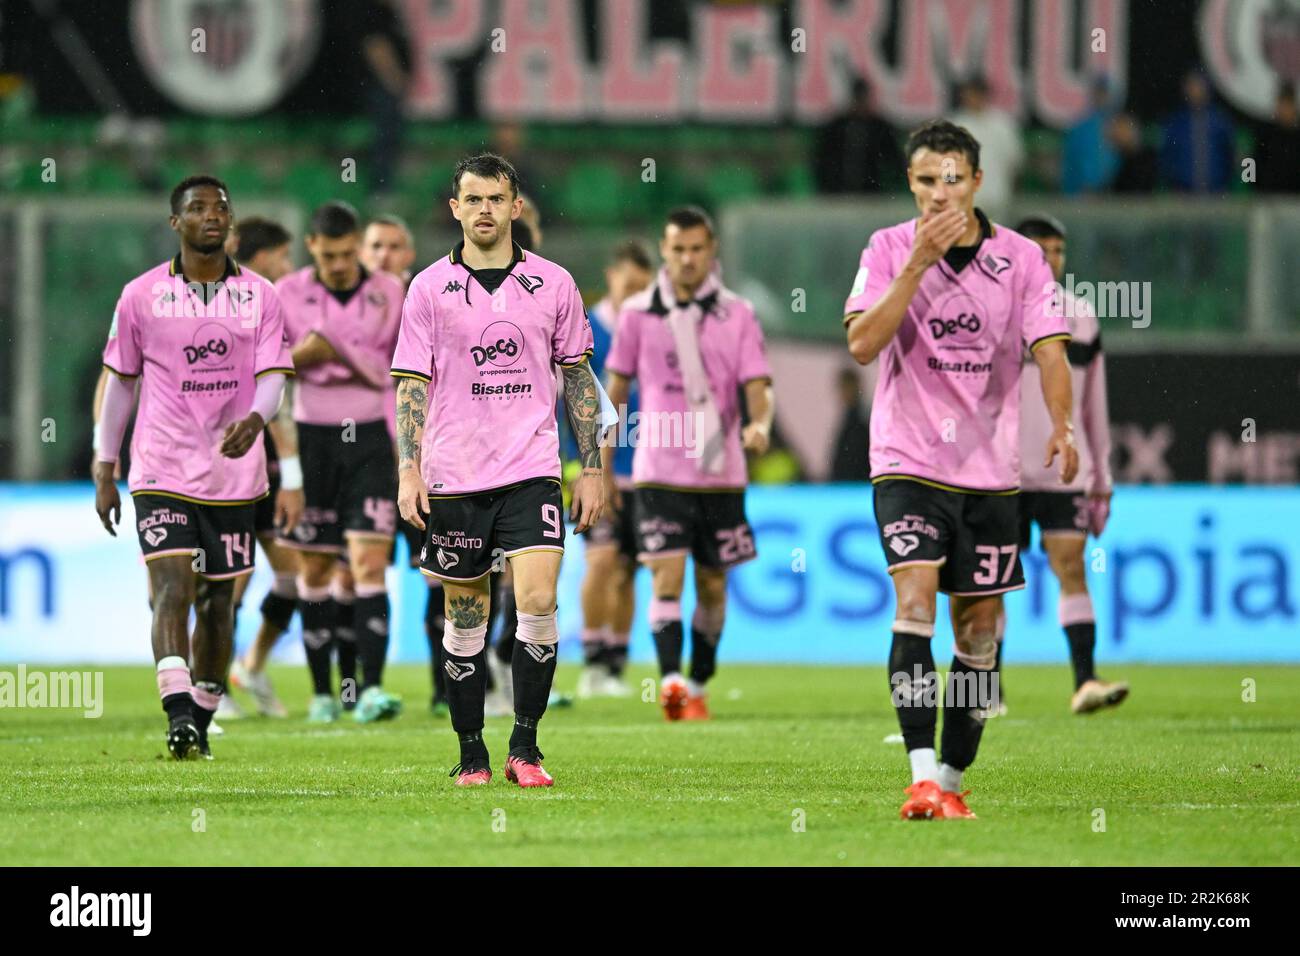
pixel 594 193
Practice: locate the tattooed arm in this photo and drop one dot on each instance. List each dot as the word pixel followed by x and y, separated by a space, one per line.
pixel 412 407
pixel 583 403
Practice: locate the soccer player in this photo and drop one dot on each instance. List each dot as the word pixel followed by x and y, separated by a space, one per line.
pixel 482 330
pixel 948 301
pixel 389 246
pixel 342 320
pixel 206 341
pixel 1066 515
pixel 692 344
pixel 263 246
pixel 609 579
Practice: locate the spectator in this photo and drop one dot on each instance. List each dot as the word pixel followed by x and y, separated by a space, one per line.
pixel 386 55
pixel 1137 161
pixel 857 152
pixel 1089 162
pixel 849 457
pixel 1277 147
pixel 1002 150
pixel 1198 153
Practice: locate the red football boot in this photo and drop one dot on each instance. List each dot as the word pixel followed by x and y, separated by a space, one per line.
pixel 526 769
pixel 924 802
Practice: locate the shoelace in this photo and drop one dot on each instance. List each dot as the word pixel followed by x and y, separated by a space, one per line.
pixel 529 755
pixel 472 767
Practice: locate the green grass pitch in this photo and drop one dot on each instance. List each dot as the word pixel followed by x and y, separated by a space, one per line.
pixel 792 770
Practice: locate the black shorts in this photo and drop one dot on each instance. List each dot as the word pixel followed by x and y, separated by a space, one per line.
pixel 708 525
pixel 1056 512
pixel 219 538
pixel 469 535
pixel 973 538
pixel 264 510
pixel 616 529
pixel 349 487
pixel 414 541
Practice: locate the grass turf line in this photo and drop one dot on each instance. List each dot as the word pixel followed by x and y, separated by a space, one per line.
pixel 1185 772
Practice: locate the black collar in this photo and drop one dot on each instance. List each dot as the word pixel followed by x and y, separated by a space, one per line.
pixel 232 269
pixel 959 257
pixel 458 256
pixel 659 307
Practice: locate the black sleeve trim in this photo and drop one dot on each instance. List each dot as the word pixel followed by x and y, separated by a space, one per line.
pixel 407 373
pixel 121 374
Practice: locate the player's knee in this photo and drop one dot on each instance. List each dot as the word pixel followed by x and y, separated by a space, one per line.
pixel 711 588
pixel 317 570
pixel 535 599
pixel 173 596
pixel 1069 571
pixel 216 601
pixel 976 644
pixel 918 609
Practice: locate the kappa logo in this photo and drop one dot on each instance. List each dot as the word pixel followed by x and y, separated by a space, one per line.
pixel 904 544
pixel 457 672
pixel 447 560
pixel 539 652
pixel 155 536
pixel 452 286
pixel 531 283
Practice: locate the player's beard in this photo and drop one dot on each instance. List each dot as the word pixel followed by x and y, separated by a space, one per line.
pixel 486 242
pixel 208 246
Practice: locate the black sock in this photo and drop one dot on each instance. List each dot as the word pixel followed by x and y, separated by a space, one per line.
pixel 203 716
pixel 593 652
pixel 913 686
pixel 178 705
pixel 616 659
pixel 1082 638
pixel 472 748
pixel 465 690
pixel 317 637
pixel 277 610
pixel 668 645
pixel 1002 691
pixel 505 646
pixel 434 624
pixel 533 668
pixel 969 692
pixel 345 649
pixel 704 655
pixel 523 737
pixel 372 637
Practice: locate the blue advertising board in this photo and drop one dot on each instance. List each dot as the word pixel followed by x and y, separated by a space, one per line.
pixel 1183 573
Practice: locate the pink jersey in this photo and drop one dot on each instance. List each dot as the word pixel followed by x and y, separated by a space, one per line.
pixel 363 332
pixel 489 360
pixel 198 363
pixel 1091 415
pixel 731 348
pixel 946 407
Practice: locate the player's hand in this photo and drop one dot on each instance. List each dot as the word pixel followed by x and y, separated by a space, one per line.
pixel 107 501
pixel 613 494
pixel 1062 443
pixel 289 503
pixel 588 499
pixel 1098 512
pixel 239 436
pixel 936 235
pixel 412 495
pixel 756 437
